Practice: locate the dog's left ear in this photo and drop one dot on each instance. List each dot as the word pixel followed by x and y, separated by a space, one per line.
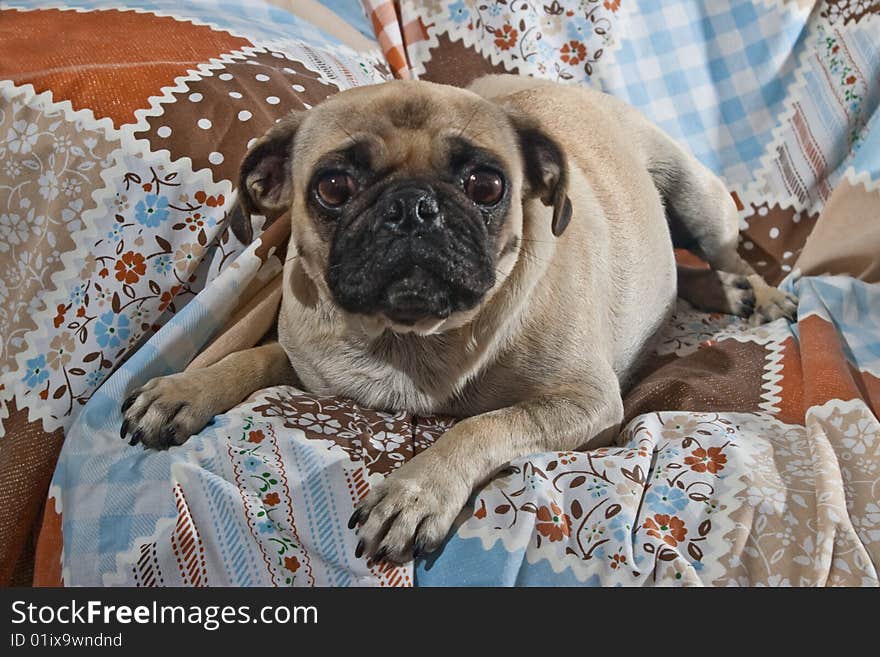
pixel 265 182
pixel 545 169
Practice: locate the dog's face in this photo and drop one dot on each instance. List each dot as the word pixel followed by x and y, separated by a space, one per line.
pixel 406 199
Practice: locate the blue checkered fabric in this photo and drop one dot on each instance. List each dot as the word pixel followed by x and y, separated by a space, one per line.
pixel 712 74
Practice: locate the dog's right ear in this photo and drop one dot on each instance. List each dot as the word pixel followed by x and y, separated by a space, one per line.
pixel 264 182
pixel 545 169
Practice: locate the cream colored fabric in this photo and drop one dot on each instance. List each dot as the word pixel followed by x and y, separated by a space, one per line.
pixel 326 20
pixel 846 238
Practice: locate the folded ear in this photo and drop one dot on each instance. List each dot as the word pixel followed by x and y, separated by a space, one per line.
pixel 545 169
pixel 264 182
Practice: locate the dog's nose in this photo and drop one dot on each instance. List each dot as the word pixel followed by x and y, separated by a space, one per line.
pixel 410 208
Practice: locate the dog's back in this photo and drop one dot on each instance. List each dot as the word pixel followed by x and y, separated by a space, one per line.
pixel 616 254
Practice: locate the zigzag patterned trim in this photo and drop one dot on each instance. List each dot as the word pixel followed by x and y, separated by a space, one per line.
pixel 73 260
pixel 128 564
pixel 43 102
pixel 759 189
pixel 256 40
pixel 862 178
pixel 55 494
pixel 772 337
pixel 419 53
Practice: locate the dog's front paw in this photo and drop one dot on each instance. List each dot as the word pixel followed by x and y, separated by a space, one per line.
pixel 771 303
pixel 167 410
pixel 409 513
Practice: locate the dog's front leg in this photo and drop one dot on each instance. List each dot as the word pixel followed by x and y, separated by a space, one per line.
pixel 169 409
pixel 412 511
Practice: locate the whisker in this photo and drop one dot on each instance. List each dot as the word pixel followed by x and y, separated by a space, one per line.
pixel 342 127
pixel 473 116
pixel 534 241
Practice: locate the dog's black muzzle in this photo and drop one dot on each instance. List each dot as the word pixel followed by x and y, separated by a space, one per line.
pixel 417 252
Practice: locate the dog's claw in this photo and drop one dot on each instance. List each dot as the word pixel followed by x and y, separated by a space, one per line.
pixel 359 550
pixel 355 518
pixel 136 437
pixel 128 402
pixel 168 436
pixel 124 430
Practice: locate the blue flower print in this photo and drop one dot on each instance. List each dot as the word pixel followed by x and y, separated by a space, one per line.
pixel 666 499
pixel 163 264
pixel 266 526
pixel 575 30
pixel 111 330
pixel 115 233
pixel 252 463
pixel 94 379
pixel 77 294
pixel 37 372
pixel 458 12
pixel 152 211
pixel 621 527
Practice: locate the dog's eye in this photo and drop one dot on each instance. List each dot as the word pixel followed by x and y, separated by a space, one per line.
pixel 335 188
pixel 484 186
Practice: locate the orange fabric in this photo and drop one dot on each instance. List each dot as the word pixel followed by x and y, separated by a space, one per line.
pixel 827 373
pixel 791 403
pixel 97 53
pixel 47 569
pixel 685 258
pixel 415 31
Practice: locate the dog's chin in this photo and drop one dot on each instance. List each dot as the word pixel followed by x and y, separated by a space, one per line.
pixel 417 303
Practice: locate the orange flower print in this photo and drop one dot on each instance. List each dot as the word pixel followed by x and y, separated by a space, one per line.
pixel 272 499
pixel 711 460
pixel 210 201
pixel 59 318
pixel 505 38
pixel 669 529
pixel 618 561
pixel 481 512
pixel 851 79
pixel 167 297
pixel 194 221
pixel 256 436
pixel 612 5
pixel 130 267
pixel 573 53
pixel 291 563
pixel 553 523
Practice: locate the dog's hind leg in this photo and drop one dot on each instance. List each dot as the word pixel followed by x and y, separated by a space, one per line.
pixel 703 218
pixel 716 291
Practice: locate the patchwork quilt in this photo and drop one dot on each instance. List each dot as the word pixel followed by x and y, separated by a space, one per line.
pixel 749 456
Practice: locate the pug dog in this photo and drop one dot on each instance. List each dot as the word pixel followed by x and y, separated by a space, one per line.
pixel 502 254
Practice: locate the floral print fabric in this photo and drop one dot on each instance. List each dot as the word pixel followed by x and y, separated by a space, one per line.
pixel 749 456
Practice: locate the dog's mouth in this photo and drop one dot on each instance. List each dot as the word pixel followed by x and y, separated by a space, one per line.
pixel 409 284
pixel 416 296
